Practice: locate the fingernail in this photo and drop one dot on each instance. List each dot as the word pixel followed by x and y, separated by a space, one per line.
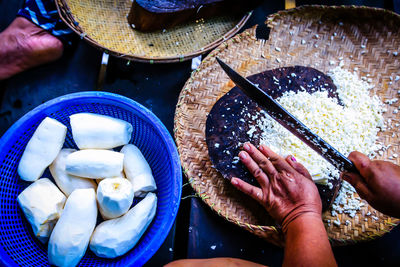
pixel 246 147
pixel 261 148
pixel 243 155
pixel 293 159
pixel 234 181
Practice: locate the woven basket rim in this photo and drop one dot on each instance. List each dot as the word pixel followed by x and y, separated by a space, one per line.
pixel 68 18
pixel 322 7
pixel 205 198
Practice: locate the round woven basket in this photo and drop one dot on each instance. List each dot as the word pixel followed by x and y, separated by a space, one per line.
pixel 366 40
pixel 103 24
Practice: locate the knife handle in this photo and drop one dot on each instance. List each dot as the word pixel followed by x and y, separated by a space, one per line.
pixel 350 167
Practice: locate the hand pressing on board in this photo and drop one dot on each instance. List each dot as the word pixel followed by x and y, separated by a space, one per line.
pixel 378 184
pixel 287 190
pixel 290 196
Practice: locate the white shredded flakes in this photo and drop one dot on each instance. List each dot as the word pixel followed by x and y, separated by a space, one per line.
pixel 353 126
pixel 303 41
pixel 336 222
pixel 278 60
pixel 278 49
pixel 391 101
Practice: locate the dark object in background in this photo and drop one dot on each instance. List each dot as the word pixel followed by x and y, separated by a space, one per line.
pixel 152 15
pixel 232 120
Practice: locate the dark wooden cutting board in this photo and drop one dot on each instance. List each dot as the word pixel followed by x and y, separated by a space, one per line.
pixel 233 115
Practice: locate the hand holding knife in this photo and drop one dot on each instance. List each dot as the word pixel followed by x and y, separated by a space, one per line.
pixel 287 120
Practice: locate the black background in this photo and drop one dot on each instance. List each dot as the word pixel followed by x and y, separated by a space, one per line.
pixel 197 229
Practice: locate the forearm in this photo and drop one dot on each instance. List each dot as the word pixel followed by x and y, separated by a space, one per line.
pixel 307 243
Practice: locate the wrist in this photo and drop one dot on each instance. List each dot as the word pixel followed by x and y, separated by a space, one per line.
pixel 301 220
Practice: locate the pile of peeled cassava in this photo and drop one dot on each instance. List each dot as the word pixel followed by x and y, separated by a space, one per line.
pixel 93 178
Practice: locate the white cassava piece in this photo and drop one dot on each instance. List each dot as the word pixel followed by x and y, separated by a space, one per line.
pixel 122 175
pixel 138 171
pixel 98 131
pixel 42 203
pixel 65 181
pixel 95 163
pixel 42 149
pixel 115 237
pixel 71 235
pixel 114 196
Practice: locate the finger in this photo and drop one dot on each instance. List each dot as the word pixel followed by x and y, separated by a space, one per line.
pixel 358 183
pixel 254 169
pixel 277 161
pixel 361 162
pixel 260 158
pixel 253 191
pixel 298 166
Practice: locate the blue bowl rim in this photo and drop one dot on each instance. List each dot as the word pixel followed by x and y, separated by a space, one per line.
pixel 153 246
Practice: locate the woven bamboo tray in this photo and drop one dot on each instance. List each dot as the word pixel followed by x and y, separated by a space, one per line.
pixel 103 24
pixel 365 39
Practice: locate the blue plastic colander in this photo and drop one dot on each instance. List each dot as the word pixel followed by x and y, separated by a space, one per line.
pixel 18 245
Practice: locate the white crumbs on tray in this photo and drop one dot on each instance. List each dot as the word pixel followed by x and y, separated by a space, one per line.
pixel 359 121
pixel 353 126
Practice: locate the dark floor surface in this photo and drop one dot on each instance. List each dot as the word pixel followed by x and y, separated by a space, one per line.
pixel 157 87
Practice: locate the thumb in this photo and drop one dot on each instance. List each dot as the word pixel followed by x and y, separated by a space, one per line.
pixel 298 166
pixel 362 163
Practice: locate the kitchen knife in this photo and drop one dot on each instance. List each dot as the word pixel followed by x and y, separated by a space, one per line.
pixel 287 120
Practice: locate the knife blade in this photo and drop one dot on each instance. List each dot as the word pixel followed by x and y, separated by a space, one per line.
pixel 287 120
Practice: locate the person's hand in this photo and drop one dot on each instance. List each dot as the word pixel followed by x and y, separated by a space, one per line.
pixel 287 190
pixel 379 183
